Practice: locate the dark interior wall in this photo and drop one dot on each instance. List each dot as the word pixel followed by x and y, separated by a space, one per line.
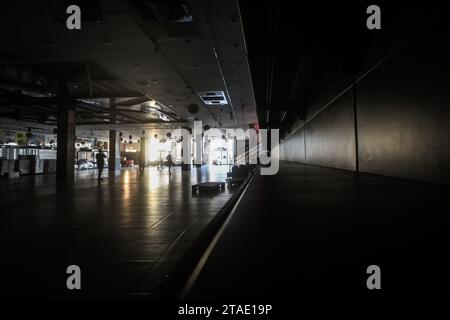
pixel 403 117
pixel 330 137
pixel 404 114
pixel 293 149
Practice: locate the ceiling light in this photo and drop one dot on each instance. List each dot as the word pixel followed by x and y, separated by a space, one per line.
pixel 213 97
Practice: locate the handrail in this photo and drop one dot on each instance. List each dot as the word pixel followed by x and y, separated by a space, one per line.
pixel 180 278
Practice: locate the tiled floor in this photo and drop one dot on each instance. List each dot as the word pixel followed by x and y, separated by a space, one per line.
pixel 125 232
pixel 312 232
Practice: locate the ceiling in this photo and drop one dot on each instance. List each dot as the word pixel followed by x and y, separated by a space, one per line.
pixel 296 49
pixel 157 53
pixel 293 46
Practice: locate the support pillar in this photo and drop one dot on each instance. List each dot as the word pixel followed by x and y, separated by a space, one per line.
pixel 144 151
pixel 197 146
pixel 114 151
pixel 186 151
pixel 247 151
pixel 114 140
pixel 198 154
pixel 65 159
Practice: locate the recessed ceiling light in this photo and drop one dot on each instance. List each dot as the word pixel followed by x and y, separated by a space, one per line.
pixel 213 97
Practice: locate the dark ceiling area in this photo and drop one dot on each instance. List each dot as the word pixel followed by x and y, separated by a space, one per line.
pixel 293 47
pixel 35 92
pixel 264 62
pixel 155 58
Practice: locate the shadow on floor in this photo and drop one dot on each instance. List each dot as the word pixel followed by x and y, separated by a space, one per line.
pixel 312 232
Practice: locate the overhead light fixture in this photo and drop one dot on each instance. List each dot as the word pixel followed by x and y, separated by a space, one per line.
pixel 213 98
pixel 149 106
pixel 153 111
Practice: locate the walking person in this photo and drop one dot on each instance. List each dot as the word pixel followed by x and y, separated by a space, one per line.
pixel 100 156
pixel 141 163
pixel 160 163
pixel 169 162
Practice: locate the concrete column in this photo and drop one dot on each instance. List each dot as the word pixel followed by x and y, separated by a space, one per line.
pixel 198 144
pixel 114 151
pixel 147 151
pixel 144 151
pixel 173 150
pixel 65 159
pixel 198 154
pixel 186 166
pixel 114 140
pixel 247 150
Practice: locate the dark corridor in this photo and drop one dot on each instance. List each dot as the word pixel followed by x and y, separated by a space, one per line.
pixel 191 153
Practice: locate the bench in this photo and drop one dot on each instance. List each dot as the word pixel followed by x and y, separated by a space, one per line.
pixel 208 187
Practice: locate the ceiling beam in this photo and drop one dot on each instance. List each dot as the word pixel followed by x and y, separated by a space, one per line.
pixel 137 126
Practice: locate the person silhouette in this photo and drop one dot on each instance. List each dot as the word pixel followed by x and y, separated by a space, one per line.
pixel 141 163
pixel 169 162
pixel 100 156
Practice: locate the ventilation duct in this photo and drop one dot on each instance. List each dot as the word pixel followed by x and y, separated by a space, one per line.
pixel 213 98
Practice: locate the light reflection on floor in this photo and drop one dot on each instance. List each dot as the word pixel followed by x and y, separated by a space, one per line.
pixel 125 231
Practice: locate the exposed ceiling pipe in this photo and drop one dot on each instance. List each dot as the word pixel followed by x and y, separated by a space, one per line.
pixel 269 83
pixel 100 109
pixel 246 55
pixel 298 79
pixel 27 91
pixel 271 60
pixel 297 83
pixel 136 126
pixel 211 38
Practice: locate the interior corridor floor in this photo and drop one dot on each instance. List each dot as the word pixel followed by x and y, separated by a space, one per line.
pixel 125 232
pixel 312 232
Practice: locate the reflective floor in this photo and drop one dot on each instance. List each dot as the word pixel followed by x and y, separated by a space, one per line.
pixel 124 232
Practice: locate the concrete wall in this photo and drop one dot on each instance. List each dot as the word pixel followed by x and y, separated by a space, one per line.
pixel 403 118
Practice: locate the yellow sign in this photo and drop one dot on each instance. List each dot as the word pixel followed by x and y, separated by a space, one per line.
pixel 21 138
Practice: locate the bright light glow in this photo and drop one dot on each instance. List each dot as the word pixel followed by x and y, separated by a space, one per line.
pixel 153 111
pixel 130 149
pixel 218 152
pixel 159 150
